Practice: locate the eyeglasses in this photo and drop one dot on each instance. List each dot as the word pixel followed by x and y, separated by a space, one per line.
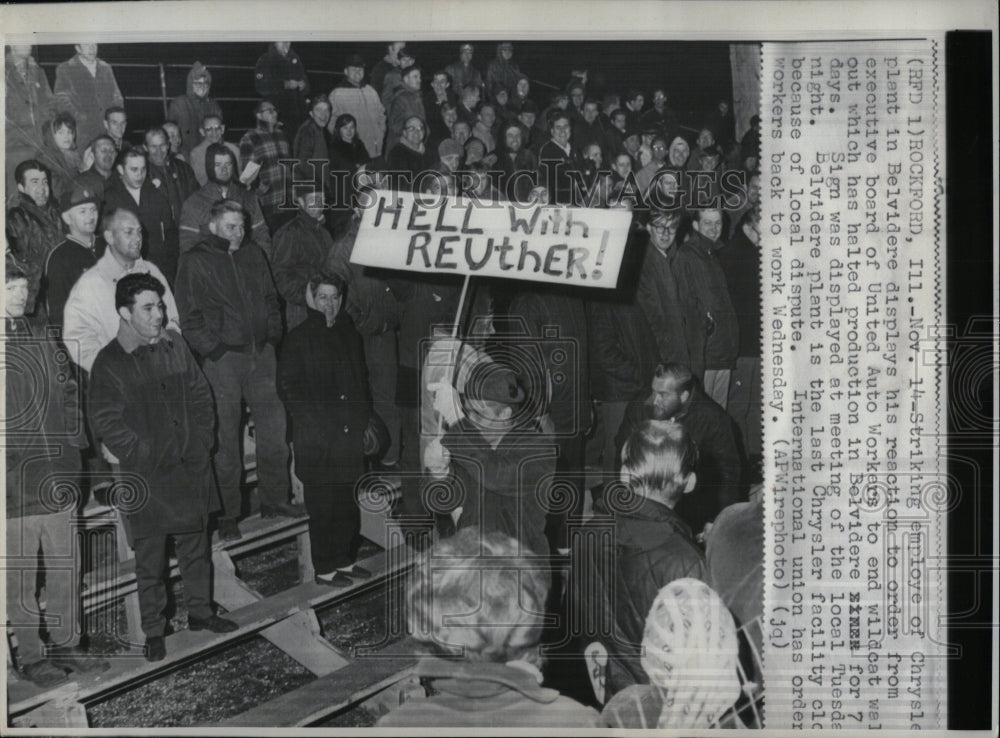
pixel 414 128
pixel 213 129
pixel 268 110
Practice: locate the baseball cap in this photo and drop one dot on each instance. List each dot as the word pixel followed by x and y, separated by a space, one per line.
pixel 78 194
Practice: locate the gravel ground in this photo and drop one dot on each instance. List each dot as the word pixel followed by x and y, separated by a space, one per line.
pixel 204 692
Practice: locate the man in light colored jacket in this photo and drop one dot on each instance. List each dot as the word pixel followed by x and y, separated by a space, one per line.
pixel 363 102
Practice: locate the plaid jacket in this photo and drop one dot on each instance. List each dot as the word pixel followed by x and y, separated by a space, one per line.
pixel 266 148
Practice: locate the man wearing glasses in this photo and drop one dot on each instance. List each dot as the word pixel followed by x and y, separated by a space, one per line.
pixel 266 146
pixel 557 159
pixel 661 295
pixel 191 108
pixel 212 129
pixel 409 156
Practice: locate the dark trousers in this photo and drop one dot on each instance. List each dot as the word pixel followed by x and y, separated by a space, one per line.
pixel 569 480
pixel 236 377
pixel 334 525
pixel 745 398
pixel 150 572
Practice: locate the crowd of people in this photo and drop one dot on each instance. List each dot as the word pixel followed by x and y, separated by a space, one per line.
pixel 181 277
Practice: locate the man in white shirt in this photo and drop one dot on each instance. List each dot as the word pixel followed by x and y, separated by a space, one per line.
pixel 90 320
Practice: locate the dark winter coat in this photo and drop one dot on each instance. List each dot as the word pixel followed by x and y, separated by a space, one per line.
pixel 402 158
pixel 564 352
pixel 188 110
pixel 178 182
pixel 197 212
pixel 623 355
pixel 44 428
pixel 653 547
pixel 719 468
pixel 269 79
pixel 706 295
pixel 501 75
pixel 159 229
pixel 32 233
pixel 660 297
pixel 300 249
pixel 64 266
pixel 403 105
pixel 151 406
pixel 503 487
pixel 554 167
pixel 323 382
pixel 740 261
pixel 311 148
pixel 370 301
pixel 227 301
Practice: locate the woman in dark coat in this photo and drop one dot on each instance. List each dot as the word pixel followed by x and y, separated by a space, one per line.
pixel 348 154
pixel 324 384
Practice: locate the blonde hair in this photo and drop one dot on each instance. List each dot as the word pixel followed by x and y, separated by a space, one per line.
pixel 479 596
pixel 657 459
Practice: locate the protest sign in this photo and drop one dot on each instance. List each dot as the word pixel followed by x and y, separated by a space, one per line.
pixel 459 235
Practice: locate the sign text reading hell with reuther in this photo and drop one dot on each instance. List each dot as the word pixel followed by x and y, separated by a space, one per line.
pixel 429 233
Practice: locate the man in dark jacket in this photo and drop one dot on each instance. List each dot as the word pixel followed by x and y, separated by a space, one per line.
pixel 79 251
pixel 191 108
pixel 176 177
pixel 300 249
pixel 133 190
pixel 557 320
pixel 653 546
pixel 221 167
pixel 322 379
pixel 502 73
pixel 462 73
pixel 622 352
pixel 404 104
pixel 660 296
pixel 231 318
pixel 557 159
pixel 42 438
pixel 386 64
pixel 676 396
pixel 32 224
pixel 164 448
pixel 98 176
pixel 740 261
pixel 517 163
pixel 280 76
pixel 707 297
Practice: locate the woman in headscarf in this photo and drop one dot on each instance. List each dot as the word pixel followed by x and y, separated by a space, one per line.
pixel 59 153
pixel 690 653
